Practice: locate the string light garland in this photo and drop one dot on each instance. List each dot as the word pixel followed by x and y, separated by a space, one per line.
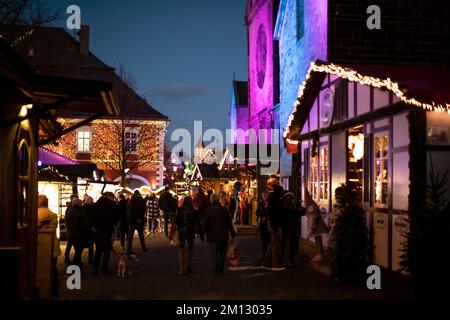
pixel 54 171
pixel 58 156
pixel 21 38
pixel 353 76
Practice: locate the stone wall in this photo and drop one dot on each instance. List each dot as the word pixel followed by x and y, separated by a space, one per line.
pixel 260 21
pixel 296 53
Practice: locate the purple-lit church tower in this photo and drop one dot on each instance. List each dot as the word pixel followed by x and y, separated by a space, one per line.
pixel 263 65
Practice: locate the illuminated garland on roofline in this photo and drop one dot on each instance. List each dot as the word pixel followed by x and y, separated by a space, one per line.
pixel 353 76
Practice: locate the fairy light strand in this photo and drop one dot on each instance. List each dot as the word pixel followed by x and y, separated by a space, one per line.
pixel 354 76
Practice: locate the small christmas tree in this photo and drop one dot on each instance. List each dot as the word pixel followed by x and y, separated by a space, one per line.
pixel 349 240
pixel 426 256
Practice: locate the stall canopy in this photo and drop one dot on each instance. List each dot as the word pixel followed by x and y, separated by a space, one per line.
pixel 46 156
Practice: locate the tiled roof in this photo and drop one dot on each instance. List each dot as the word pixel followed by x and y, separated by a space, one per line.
pixel 53 51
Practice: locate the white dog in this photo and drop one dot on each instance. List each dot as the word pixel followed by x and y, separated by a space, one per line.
pixel 125 264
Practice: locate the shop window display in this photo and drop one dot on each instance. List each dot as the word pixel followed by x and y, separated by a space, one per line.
pixel 381 170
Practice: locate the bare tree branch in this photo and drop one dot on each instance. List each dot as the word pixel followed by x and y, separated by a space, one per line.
pixel 26 14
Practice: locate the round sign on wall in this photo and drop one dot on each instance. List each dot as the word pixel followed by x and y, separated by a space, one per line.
pixel 380 221
pixel 401 224
pixel 326 108
pixel 261 56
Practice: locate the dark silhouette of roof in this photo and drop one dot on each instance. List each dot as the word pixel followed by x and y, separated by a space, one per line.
pixel 240 93
pixel 53 51
pixel 132 105
pixel 208 171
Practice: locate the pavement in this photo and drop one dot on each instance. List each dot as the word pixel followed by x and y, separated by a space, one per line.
pixel 154 277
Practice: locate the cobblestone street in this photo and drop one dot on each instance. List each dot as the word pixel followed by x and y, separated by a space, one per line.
pixel 154 277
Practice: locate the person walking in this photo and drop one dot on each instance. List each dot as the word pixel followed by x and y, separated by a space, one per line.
pixel 243 205
pixel 186 221
pixel 208 195
pixel 272 260
pixel 201 203
pixel 67 217
pixel 80 230
pixel 289 229
pixel 263 222
pixel 224 200
pixel 152 213
pixel 123 223
pixel 232 207
pixel 48 220
pixel 166 204
pixel 316 226
pixel 218 225
pixel 136 220
pixel 105 215
pixel 87 206
pixel 236 189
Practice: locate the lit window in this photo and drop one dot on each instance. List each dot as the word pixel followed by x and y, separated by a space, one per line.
pixel 323 175
pixel 84 141
pixel 381 145
pixel 131 140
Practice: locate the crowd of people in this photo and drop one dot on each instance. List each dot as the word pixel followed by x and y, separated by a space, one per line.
pixel 207 216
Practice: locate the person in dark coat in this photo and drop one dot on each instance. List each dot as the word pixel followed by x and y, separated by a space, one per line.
pixel 263 222
pixel 208 194
pixel 123 224
pixel 166 204
pixel 201 203
pixel 272 260
pixel 79 232
pixel 136 220
pixel 88 203
pixel 232 207
pixel 289 229
pixel 237 210
pixel 105 215
pixel 218 225
pixel 186 221
pixel 67 220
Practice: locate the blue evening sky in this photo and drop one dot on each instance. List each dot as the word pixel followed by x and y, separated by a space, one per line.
pixel 182 53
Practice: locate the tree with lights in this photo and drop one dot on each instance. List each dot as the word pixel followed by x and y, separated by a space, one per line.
pixel 118 144
pixel 123 144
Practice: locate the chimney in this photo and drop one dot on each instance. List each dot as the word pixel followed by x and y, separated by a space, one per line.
pixel 84 40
